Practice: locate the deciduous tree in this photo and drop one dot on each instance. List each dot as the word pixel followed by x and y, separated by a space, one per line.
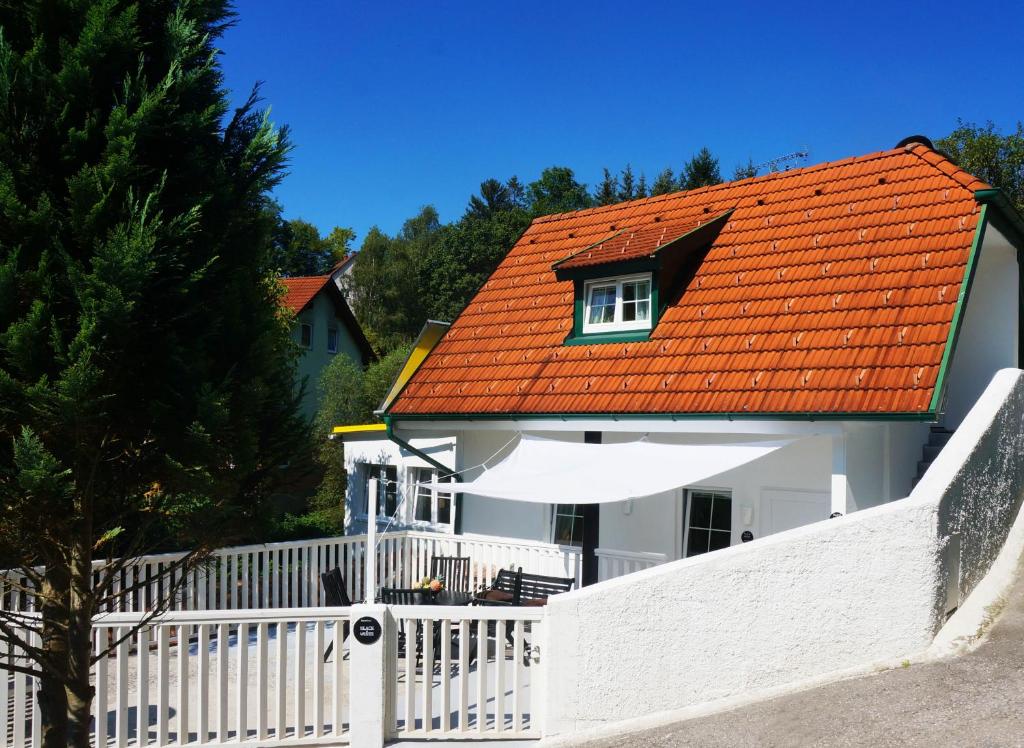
pixel 988 154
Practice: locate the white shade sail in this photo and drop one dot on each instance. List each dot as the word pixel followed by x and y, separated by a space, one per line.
pixel 549 471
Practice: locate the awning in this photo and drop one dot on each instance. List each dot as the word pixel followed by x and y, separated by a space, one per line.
pixel 549 471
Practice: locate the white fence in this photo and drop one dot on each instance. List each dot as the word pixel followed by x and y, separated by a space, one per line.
pixel 281 575
pixel 265 678
pixel 612 564
pixel 469 673
pixel 239 656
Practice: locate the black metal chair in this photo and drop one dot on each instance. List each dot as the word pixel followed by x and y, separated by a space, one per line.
pixel 454 570
pixel 400 596
pixel 335 596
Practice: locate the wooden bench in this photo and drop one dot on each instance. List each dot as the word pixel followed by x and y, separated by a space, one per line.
pixel 516 588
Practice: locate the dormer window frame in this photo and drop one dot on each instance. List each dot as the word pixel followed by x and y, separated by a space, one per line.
pixel 618 285
pixel 667 265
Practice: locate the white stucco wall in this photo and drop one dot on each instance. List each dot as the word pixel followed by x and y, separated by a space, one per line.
pixel 485 516
pixel 378 449
pixel 818 599
pixel 988 339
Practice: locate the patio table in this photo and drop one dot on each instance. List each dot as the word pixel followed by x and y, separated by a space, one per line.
pixel 446 597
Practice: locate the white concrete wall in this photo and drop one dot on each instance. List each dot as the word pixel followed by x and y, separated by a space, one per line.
pixel 818 599
pixel 988 338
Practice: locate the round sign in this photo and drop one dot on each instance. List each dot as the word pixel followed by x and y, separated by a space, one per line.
pixel 366 630
pixel 747 536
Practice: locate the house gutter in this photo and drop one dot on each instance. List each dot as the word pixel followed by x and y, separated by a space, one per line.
pixel 403 444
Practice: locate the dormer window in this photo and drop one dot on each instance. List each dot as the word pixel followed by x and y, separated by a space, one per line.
pixel 623 282
pixel 618 304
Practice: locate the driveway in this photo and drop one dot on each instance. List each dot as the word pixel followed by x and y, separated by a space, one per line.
pixel 976 699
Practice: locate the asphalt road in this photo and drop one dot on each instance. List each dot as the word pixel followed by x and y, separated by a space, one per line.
pixel 976 699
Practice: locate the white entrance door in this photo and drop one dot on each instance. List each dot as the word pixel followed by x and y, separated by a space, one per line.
pixel 784 510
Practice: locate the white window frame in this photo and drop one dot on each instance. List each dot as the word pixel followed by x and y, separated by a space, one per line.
pixel 617 324
pixel 417 475
pixel 576 513
pixel 303 325
pixel 688 499
pixel 330 348
pixel 363 470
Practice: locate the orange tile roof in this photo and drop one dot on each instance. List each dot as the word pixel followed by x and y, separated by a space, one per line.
pixel 830 289
pixel 643 240
pixel 301 290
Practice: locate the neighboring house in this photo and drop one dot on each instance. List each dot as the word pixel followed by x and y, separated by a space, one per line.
pixel 324 327
pixel 341 274
pixel 850 311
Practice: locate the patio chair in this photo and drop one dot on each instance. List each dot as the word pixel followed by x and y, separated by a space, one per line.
pixel 399 596
pixel 335 596
pixel 504 590
pixel 454 570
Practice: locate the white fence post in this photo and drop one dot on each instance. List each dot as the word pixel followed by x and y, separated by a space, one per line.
pixel 368 686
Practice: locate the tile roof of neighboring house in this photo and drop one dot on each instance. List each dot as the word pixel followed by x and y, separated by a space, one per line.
pixel 829 289
pixel 301 290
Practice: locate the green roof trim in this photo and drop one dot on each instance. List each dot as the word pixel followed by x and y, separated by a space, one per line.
pixel 741 416
pixel 958 313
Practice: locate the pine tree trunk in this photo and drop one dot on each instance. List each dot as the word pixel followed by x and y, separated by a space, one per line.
pixel 79 691
pixel 52 699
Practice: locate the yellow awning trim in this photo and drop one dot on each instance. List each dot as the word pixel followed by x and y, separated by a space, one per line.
pixel 361 428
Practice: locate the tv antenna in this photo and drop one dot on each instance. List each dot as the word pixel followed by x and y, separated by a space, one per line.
pixel 786 162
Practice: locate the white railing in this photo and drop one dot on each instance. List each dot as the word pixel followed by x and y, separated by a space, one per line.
pixel 281 575
pixel 254 677
pixel 264 678
pixel 612 563
pixel 464 672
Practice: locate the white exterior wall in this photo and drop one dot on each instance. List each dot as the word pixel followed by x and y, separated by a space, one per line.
pixel 486 516
pixel 655 523
pixel 869 587
pixel 988 339
pixel 377 449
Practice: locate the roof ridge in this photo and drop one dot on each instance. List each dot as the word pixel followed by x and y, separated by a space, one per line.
pixel 721 185
pixel 956 172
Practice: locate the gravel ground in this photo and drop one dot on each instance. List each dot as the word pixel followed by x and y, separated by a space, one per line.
pixel 976 699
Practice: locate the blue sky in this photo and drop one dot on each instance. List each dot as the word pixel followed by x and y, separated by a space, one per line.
pixel 396 105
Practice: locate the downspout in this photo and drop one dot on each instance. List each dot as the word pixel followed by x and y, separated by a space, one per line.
pixel 390 431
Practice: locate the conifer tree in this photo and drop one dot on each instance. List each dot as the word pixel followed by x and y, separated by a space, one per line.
pixel 700 171
pixel 146 371
pixel 608 191
pixel 664 183
pixel 628 189
pixel 745 171
pixel 641 186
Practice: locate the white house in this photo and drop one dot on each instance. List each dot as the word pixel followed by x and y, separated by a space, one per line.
pixel 851 312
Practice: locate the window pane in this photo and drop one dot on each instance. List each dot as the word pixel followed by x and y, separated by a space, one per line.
pixel 720 540
pixel 422 505
pixel 332 339
pixel 700 510
pixel 602 305
pixel 306 335
pixel 721 514
pixel 697 542
pixel 563 529
pixel 444 508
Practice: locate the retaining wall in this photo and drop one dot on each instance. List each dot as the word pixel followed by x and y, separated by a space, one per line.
pixel 840 594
